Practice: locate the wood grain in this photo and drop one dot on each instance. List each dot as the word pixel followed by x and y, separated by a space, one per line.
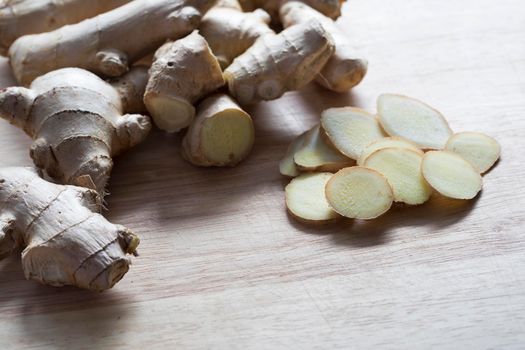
pixel 222 266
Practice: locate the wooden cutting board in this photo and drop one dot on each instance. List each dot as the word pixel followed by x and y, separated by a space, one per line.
pixel 222 266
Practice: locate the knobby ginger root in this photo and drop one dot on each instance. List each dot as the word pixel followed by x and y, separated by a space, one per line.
pixel 230 32
pixel 279 63
pixel 387 142
pixel 451 175
pixel 305 198
pixel 402 169
pixel 108 43
pixel 316 154
pixel 478 149
pixel 131 87
pixel 359 193
pixel 182 72
pixel 18 18
pixel 414 120
pixel 66 242
pixel 350 129
pixel 76 121
pixel 329 8
pixel 222 134
pixel 343 70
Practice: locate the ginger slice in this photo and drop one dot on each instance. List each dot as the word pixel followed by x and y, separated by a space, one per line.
pixel 305 198
pixel 317 155
pixel 287 166
pixel 386 142
pixel 414 120
pixel 359 193
pixel 451 175
pixel 350 129
pixel 478 149
pixel 402 168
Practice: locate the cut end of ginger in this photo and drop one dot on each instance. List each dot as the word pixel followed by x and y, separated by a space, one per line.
pixel 478 149
pixel 169 113
pixel 413 120
pixel 317 155
pixel 402 168
pixel 305 198
pixel 387 142
pixel 287 166
pixel 359 193
pixel 451 175
pixel 350 129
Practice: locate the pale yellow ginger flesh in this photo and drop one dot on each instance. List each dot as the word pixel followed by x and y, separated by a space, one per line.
pixel 350 129
pixel 222 134
pixel 359 193
pixel 343 70
pixel 451 175
pixel 317 155
pixel 287 166
pixel 108 43
pixel 230 32
pixel 65 240
pixel 413 120
pixel 387 142
pixel 478 149
pixel 182 72
pixel 18 18
pixel 305 198
pixel 278 63
pixel 78 122
pixel 402 169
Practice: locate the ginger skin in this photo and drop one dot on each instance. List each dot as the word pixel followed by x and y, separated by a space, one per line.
pixel 76 121
pixel 329 8
pixel 98 45
pixel 182 72
pixel 343 70
pixel 66 241
pixel 19 18
pixel 230 32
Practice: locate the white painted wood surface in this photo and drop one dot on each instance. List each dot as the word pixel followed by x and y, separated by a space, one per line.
pixel 222 266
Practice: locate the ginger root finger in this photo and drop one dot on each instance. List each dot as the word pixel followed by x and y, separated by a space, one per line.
pixel 131 87
pixel 66 241
pixel 305 198
pixel 451 175
pixel 350 129
pixel 359 193
pixel 413 120
pixel 279 63
pixel 222 134
pixel 77 123
pixel 98 44
pixel 32 17
pixel 230 32
pixel 343 70
pixel 182 72
pixel 478 149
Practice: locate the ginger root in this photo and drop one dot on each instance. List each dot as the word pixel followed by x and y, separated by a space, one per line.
pixel 182 72
pixel 329 8
pixel 76 121
pixel 66 241
pixel 19 18
pixel 230 32
pixel 222 134
pixel 343 70
pixel 279 63
pixel 99 45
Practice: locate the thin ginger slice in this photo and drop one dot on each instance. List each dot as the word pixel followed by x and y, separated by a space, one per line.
pixel 359 193
pixel 478 149
pixel 287 166
pixel 350 129
pixel 317 155
pixel 451 175
pixel 414 120
pixel 387 142
pixel 402 168
pixel 305 198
